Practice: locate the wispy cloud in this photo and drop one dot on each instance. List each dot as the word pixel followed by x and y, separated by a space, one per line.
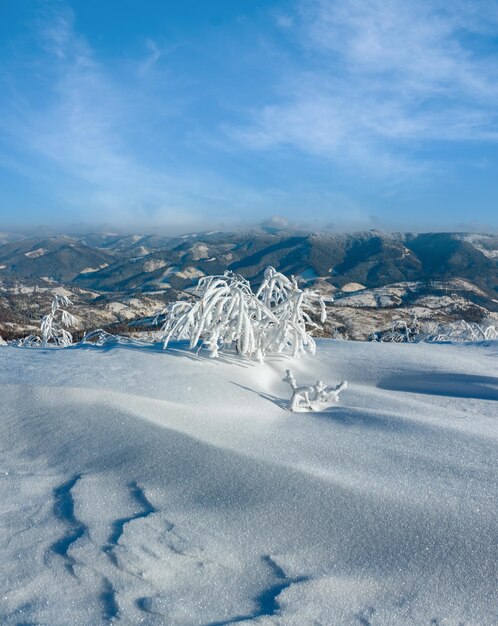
pixel 85 126
pixel 153 56
pixel 380 79
pixel 274 113
pixel 78 126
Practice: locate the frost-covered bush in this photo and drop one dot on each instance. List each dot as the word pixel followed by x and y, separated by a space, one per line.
pixel 100 337
pixel 54 325
pixel 300 395
pixel 226 313
pixel 400 332
pixel 434 332
pixel 293 308
pixel 31 341
pixel 340 333
pixel 460 331
pixel 325 393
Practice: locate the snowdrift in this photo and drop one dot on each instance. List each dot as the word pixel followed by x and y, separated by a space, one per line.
pixel 142 486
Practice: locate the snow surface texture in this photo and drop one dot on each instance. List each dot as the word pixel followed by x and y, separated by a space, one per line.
pixel 142 486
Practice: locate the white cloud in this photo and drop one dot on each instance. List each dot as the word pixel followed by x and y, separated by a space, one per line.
pixel 153 56
pixel 278 222
pixel 363 85
pixel 420 45
pixel 283 20
pixel 79 138
pixel 381 78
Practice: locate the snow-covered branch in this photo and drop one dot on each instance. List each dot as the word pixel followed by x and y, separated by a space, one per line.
pixel 311 396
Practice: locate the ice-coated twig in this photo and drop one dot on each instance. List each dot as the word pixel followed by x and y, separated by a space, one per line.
pixel 300 395
pixel 319 392
pixel 329 394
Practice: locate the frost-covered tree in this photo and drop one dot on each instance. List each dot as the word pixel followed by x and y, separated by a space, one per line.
pixel 278 317
pixel 54 325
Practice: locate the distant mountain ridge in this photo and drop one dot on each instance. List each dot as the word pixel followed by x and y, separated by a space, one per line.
pixel 111 262
pixel 373 259
pixel 109 267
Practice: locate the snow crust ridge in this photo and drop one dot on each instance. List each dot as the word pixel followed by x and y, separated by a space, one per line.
pixel 64 511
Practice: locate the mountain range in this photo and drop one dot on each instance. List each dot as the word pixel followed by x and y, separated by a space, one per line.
pixel 116 272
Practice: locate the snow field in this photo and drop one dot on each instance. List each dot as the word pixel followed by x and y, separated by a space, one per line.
pixel 142 486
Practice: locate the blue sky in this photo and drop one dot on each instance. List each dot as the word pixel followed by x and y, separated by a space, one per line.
pixel 346 114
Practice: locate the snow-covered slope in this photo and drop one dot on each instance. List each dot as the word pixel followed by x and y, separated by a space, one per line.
pixel 141 486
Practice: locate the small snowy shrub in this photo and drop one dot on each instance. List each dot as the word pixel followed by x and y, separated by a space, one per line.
pixel 461 331
pixel 100 337
pixel 227 313
pixel 434 332
pixel 54 326
pixel 400 332
pixel 293 308
pixel 31 341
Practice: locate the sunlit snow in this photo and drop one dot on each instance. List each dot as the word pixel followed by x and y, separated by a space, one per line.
pixel 160 487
